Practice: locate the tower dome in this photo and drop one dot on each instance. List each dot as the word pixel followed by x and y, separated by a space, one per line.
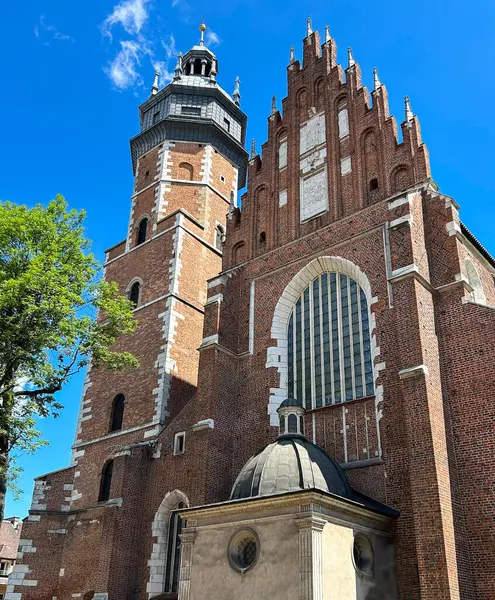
pixel 290 464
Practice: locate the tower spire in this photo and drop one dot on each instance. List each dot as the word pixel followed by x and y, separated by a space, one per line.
pixel 309 29
pixel 202 28
pixel 274 105
pixel 350 58
pixel 178 67
pixel 237 91
pixel 292 58
pixel 328 37
pixel 409 115
pixel 154 87
pixel 376 80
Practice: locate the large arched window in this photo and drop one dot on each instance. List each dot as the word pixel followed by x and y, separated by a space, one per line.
pixel 173 550
pixel 329 347
pixel 106 482
pixel 117 417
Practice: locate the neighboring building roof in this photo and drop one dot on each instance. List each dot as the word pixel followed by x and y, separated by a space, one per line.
pixel 294 463
pixel 10 533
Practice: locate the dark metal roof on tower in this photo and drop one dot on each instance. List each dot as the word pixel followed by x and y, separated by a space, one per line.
pixel 193 107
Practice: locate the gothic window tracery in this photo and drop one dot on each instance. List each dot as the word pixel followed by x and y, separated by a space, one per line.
pixel 329 345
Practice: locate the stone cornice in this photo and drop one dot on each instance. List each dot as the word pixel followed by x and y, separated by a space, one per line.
pixel 347 508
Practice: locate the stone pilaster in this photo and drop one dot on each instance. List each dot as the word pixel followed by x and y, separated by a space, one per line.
pixel 310 557
pixel 187 538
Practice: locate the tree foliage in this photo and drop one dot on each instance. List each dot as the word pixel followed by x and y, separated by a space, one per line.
pixel 50 294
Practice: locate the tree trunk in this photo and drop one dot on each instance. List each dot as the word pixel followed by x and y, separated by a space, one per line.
pixel 4 466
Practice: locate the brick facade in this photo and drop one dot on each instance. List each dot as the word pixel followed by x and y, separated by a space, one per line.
pixel 211 341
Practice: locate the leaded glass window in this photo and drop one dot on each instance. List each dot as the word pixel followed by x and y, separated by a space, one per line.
pixel 329 346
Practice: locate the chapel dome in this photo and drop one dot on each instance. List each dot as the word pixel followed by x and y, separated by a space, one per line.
pixel 290 464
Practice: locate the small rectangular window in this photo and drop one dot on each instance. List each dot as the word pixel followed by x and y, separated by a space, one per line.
pixel 222 178
pixel 226 124
pixel 179 443
pixel 156 116
pixel 191 110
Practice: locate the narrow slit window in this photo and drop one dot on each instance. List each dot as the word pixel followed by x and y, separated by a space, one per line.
pixel 135 293
pixel 179 443
pixel 373 184
pixel 117 417
pixel 106 482
pixel 142 231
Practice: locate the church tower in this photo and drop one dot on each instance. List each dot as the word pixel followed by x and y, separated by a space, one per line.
pixel 189 162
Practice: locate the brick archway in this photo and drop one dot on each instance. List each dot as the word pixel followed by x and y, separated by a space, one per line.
pixel 277 355
pixel 159 529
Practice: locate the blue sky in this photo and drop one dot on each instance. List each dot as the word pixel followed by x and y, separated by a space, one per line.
pixel 73 75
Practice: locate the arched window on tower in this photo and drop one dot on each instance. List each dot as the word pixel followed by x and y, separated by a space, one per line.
pixel 329 343
pixel 142 231
pixel 186 171
pixel 106 482
pixel 173 550
pixel 134 293
pixel 117 417
pixel 219 236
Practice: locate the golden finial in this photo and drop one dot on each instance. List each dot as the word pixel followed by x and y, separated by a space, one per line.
pixel 202 28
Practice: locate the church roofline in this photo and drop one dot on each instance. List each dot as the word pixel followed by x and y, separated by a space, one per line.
pixel 477 244
pixel 360 504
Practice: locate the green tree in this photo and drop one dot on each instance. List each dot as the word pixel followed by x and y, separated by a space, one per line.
pixel 50 293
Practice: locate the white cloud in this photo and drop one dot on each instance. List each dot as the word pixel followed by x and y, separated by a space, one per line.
pixel 45 32
pixel 122 71
pixel 212 38
pixel 169 47
pixel 131 15
pixel 165 74
pixel 175 2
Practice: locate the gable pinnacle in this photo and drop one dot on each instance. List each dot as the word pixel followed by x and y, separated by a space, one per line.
pixel 274 105
pixel 214 70
pixel 237 91
pixel 253 150
pixel 376 81
pixel 154 87
pixel 350 58
pixel 408 110
pixel 309 29
pixel 292 58
pixel 327 34
pixel 178 67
